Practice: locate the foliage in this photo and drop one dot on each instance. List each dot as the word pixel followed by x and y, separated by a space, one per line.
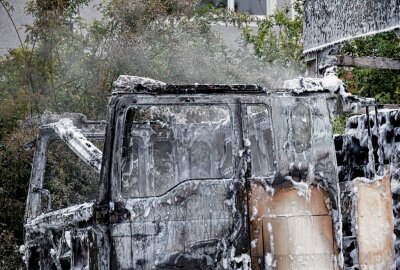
pixel 63 69
pixel 15 164
pixel 384 85
pixel 339 124
pixel 167 48
pixel 68 179
pixel 278 38
pixel 9 255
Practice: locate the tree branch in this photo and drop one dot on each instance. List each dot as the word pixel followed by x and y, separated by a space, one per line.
pixel 12 21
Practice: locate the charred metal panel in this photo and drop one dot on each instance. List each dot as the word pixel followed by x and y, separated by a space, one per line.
pixel 289 231
pixel 66 239
pixel 191 223
pixel 375 223
pixel 258 130
pixel 179 198
pixel 370 143
pixel 316 165
pixel 328 22
pixel 314 157
pixel 368 149
pixel 140 85
pixel 368 223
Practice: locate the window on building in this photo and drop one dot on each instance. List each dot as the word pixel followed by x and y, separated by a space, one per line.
pixel 215 3
pixel 254 7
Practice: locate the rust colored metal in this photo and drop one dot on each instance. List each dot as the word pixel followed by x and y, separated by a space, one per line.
pixel 375 223
pixel 289 231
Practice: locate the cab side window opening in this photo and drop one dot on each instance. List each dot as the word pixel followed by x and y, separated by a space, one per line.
pixel 68 180
pixel 300 117
pixel 167 144
pixel 259 132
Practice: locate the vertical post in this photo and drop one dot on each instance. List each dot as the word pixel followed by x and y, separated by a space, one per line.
pixel 34 200
pixel 292 11
pixel 231 5
pixel 271 6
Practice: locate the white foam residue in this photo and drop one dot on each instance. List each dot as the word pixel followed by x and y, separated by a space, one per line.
pixel 68 238
pixel 269 227
pixel 270 263
pixel 255 212
pixel 246 142
pixel 225 263
pixel 253 243
pixel 129 83
pixel 78 143
pixel 331 82
pixel 72 214
pixel 304 189
pixel 245 261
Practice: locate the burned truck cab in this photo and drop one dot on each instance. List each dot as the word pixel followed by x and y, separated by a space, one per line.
pixel 219 177
pixel 202 177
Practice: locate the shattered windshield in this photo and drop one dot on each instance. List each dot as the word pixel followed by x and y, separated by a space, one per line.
pixel 167 144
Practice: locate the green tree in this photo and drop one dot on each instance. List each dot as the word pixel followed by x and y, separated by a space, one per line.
pixel 278 38
pixel 15 164
pixel 384 85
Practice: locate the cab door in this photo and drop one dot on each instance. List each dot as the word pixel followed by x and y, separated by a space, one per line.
pixel 178 202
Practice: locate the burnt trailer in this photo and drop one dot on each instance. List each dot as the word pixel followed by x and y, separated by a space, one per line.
pixel 198 177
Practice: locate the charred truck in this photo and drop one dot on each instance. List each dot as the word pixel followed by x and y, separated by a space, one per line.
pixel 216 177
pixel 225 176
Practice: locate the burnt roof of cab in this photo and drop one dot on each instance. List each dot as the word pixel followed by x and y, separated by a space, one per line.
pixel 126 84
pixel 139 85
